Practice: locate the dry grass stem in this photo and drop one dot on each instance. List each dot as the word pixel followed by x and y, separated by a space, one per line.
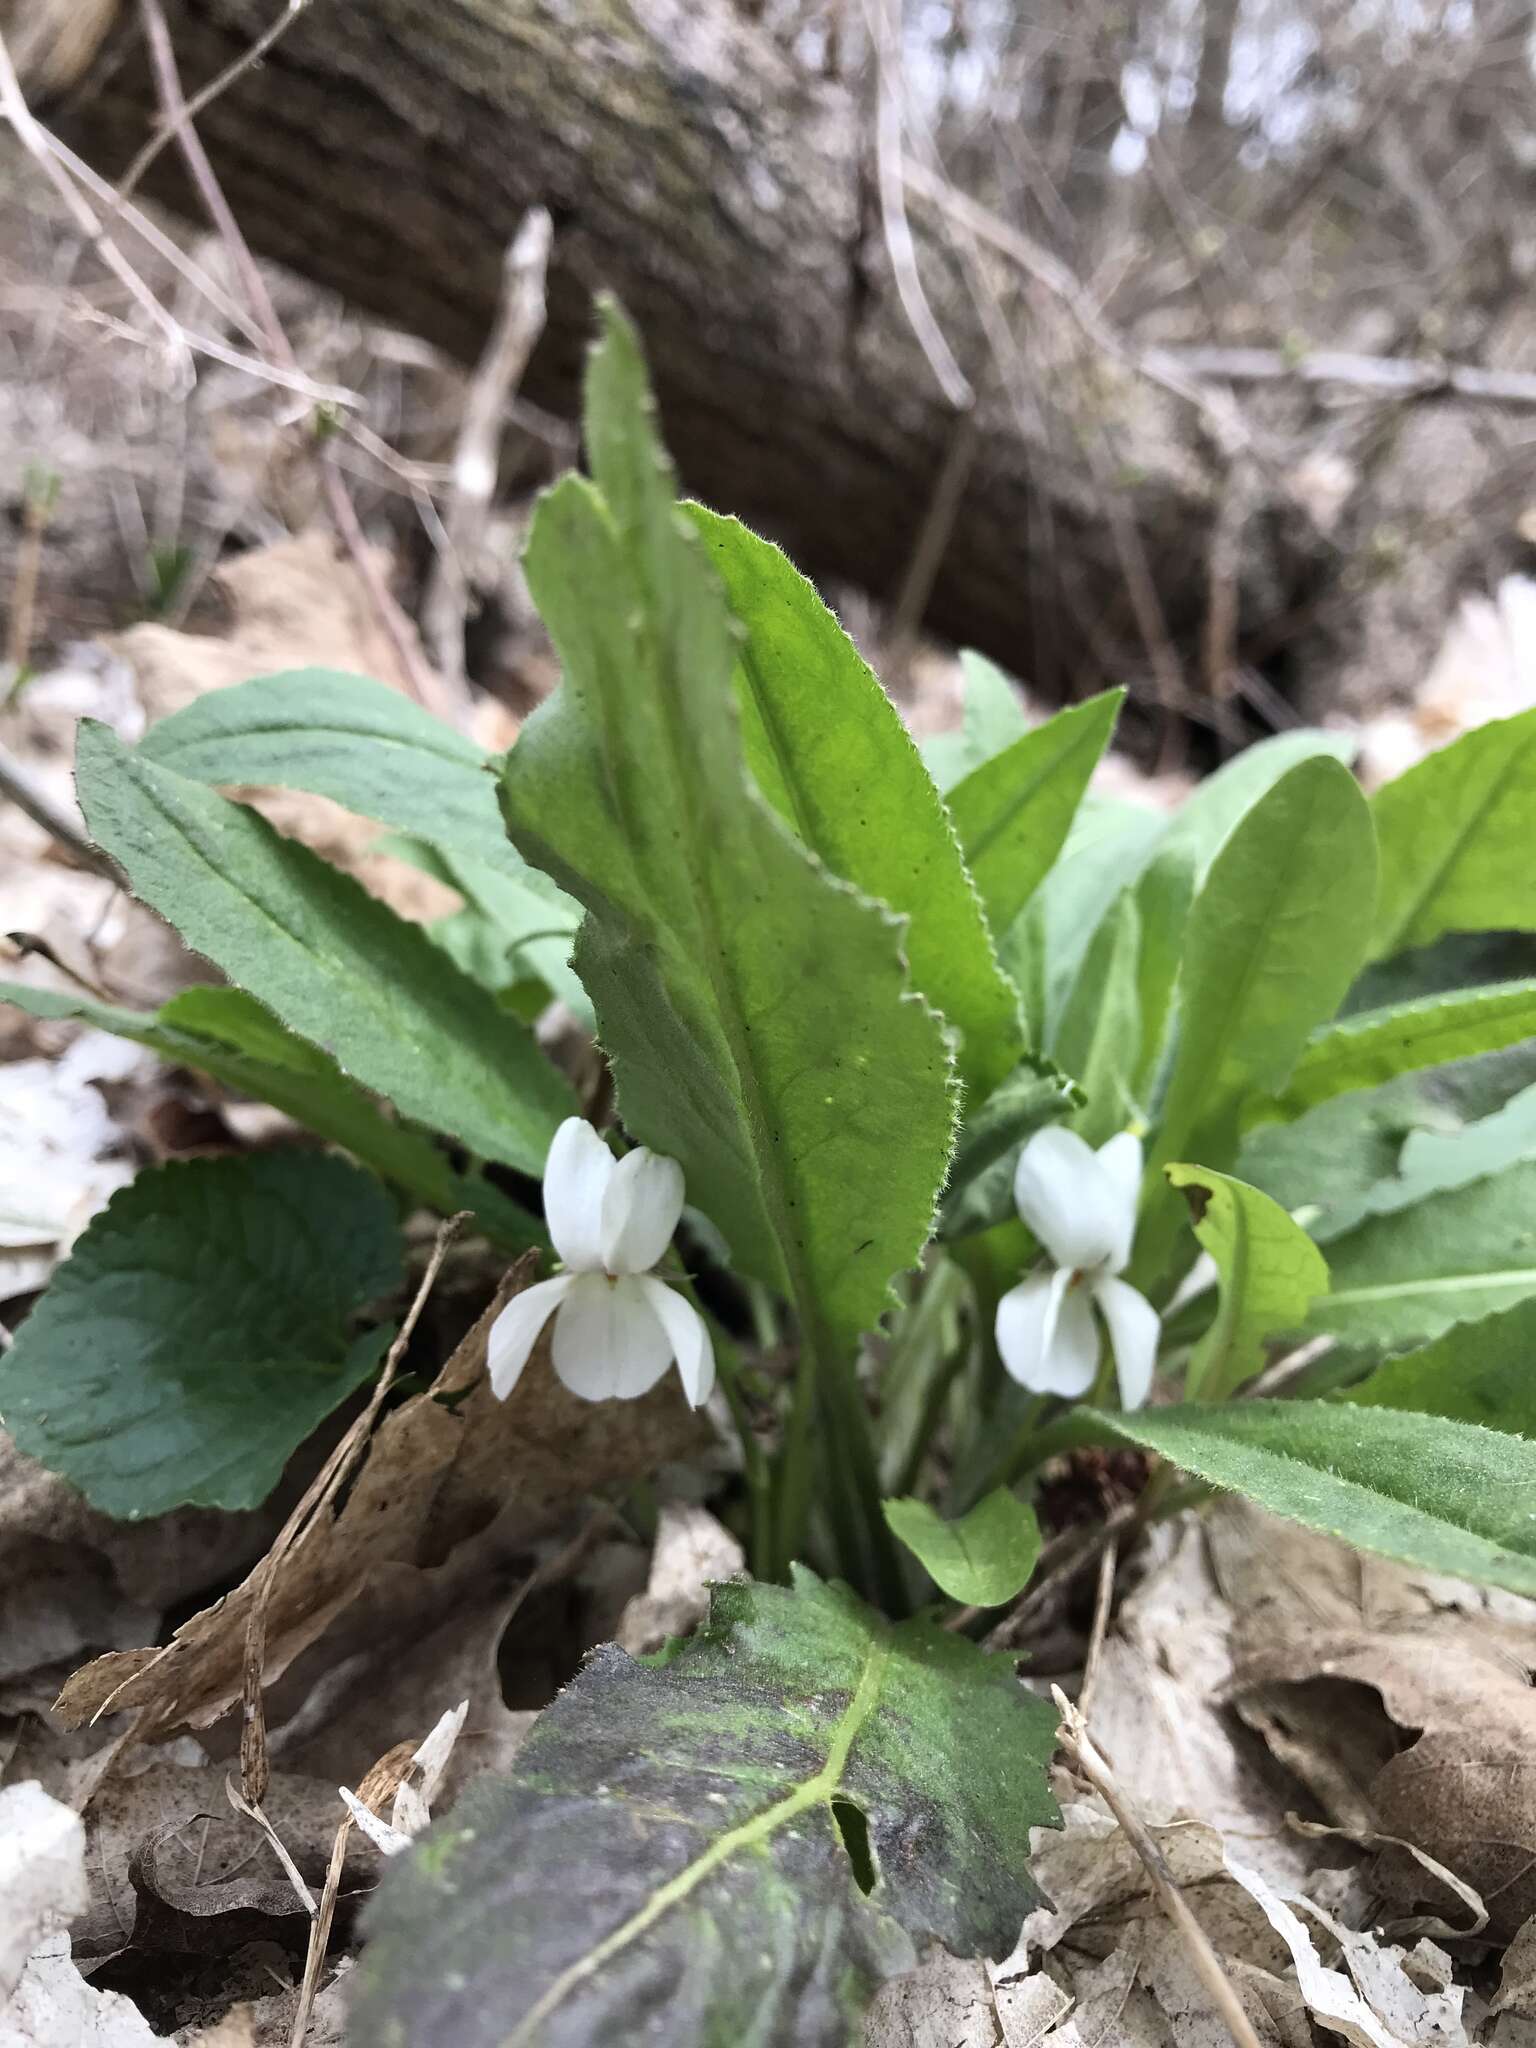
pixel 1095 1768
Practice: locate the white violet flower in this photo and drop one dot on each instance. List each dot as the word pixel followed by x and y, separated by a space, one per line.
pixel 1081 1204
pixel 617 1327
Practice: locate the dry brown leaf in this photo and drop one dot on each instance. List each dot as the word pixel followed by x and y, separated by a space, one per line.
pixel 298 603
pixel 435 1475
pixel 1322 1635
pixel 1159 1716
pixel 692 1553
pixel 1517 1979
pixel 73 1581
pixel 944 2003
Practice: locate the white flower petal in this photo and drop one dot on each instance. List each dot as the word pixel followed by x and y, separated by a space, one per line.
pixel 609 1345
pixel 576 1177
pixel 640 1210
pixel 1133 1333
pixel 1047 1336
pixel 688 1335
pixel 1067 1199
pixel 516 1330
pixel 1121 1162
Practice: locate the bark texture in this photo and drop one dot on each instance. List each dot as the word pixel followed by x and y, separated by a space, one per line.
pixel 388 148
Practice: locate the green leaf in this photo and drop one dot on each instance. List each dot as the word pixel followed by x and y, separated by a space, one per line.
pixel 1446 1496
pixel 201 1328
pixel 343 736
pixel 229 1035
pixel 1164 896
pixel 1274 940
pixel 984 1558
pixel 1107 850
pixel 755 1009
pixel 1207 816
pixel 1403 1278
pixel 1377 1045
pixel 734 1844
pixel 1100 1036
pixel 1477 1372
pixel 980 1190
pixel 1270 1274
pixel 1014 812
pixel 1455 837
pixel 336 965
pixel 994 719
pixel 827 749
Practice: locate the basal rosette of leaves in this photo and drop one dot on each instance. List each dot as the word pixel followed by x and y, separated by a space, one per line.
pixel 988 1105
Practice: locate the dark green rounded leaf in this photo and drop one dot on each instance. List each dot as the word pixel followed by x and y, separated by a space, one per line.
pixel 201 1328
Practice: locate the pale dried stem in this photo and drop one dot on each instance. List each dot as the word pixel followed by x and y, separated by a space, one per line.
pixel 1103 1604
pixel 207 94
pixel 1094 1766
pixel 430 690
pixel 518 324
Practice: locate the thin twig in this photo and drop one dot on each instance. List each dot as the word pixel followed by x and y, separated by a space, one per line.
pixel 951 379
pixel 1104 1600
pixel 1392 376
pixel 1060 1562
pixel 1095 1768
pixel 207 94
pixel 255 1769
pixel 518 324
pixel 320 1933
pixel 18 785
pixel 30 135
pixel 928 553
pixel 429 689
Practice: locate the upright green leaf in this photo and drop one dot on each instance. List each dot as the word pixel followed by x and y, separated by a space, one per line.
pixel 1164 897
pixel 1455 836
pixel 1477 1372
pixel 1201 824
pixel 734 1845
pixel 201 1328
pixel 1014 812
pixel 227 1034
pixel 1377 1045
pixel 993 719
pixel 825 746
pixel 1099 1040
pixel 1274 940
pixel 1270 1275
pixel 1402 1278
pixel 756 1009
pixel 984 1558
pixel 1446 1496
pixel 1107 850
pixel 335 964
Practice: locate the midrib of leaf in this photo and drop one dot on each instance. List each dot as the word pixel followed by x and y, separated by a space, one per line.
pixel 166 757
pixel 1022 799
pixel 768 714
pixel 1388 944
pixel 1445 1283
pixel 810 1793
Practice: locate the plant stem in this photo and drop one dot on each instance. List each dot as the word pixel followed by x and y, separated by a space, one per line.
pixel 1031 1447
